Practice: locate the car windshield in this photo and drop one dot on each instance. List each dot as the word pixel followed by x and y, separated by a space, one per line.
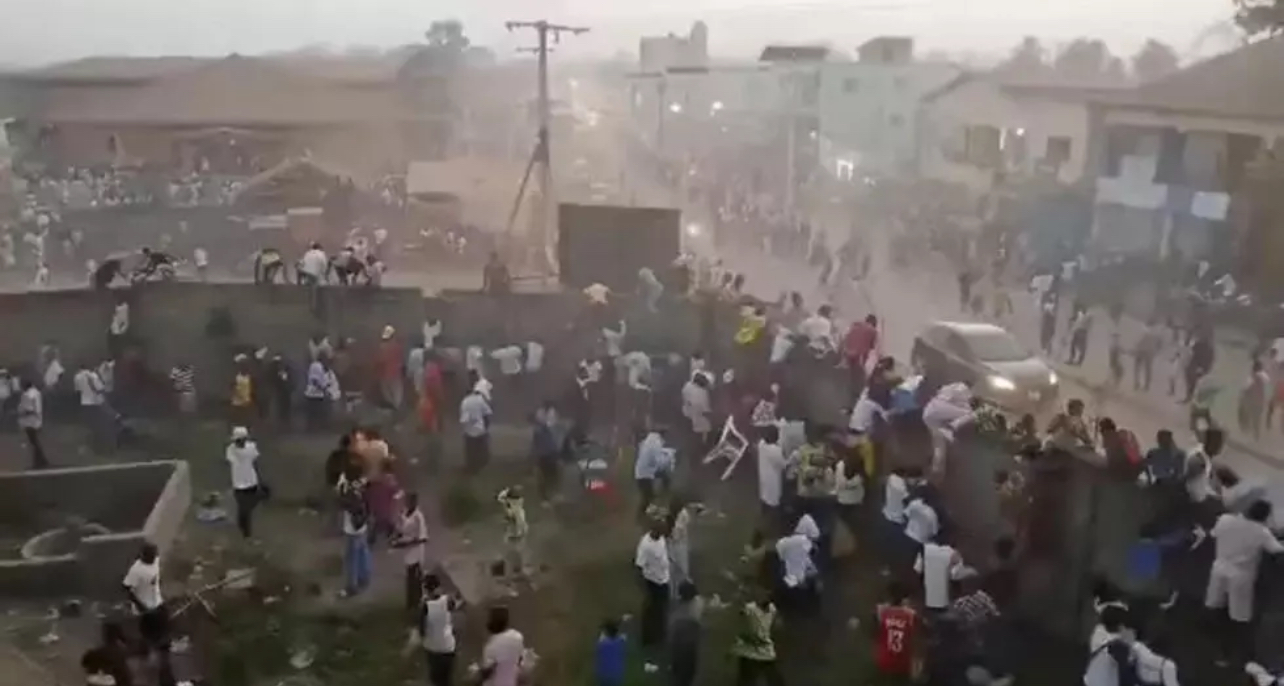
pixel 995 346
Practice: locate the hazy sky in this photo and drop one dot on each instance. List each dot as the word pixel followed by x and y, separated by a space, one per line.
pixel 34 31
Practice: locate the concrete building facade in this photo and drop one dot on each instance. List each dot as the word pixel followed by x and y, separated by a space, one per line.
pixel 981 128
pixel 1176 157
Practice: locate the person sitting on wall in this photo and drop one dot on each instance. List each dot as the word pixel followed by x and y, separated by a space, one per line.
pixel 347 267
pixel 269 266
pixel 154 262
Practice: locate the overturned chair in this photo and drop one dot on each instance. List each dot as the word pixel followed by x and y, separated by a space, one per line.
pixel 731 446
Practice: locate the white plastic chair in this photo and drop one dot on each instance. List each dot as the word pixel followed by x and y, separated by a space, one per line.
pixel 731 445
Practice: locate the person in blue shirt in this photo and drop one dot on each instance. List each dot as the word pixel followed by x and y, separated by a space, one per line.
pixel 609 657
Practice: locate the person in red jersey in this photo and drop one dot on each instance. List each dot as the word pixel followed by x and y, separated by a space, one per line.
pixel 896 626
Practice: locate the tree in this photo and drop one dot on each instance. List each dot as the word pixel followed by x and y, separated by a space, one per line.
pixel 1260 16
pixel 1026 58
pixel 448 36
pixel 1083 57
pixel 1154 60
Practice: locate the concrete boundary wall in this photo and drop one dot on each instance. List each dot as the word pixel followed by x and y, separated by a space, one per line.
pixel 138 502
pixel 171 322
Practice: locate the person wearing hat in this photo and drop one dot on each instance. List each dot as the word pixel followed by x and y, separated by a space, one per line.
pixel 389 365
pixel 242 454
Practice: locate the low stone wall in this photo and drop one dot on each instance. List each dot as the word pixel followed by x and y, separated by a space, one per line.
pixel 136 502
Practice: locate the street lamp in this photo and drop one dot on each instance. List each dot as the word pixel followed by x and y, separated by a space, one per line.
pixel 716 107
pixel 675 108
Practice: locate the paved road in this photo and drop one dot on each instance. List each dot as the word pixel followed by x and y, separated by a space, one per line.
pixel 905 301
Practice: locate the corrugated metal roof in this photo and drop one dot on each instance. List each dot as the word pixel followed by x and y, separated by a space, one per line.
pixel 1247 83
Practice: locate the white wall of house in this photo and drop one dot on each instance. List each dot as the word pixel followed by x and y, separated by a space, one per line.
pixel 1044 121
pixel 1135 213
pixel 869 110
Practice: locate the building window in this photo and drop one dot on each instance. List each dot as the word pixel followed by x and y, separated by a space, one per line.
pixel 1058 150
pixel 851 84
pixel 896 121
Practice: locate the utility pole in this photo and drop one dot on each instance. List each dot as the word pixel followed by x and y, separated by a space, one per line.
pixel 542 229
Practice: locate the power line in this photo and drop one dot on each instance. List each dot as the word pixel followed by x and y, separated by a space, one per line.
pixel 544 30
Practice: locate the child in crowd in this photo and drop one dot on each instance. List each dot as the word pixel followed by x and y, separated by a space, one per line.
pixel 515 530
pixel 610 654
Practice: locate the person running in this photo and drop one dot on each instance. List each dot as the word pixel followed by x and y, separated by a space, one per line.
pixel 896 627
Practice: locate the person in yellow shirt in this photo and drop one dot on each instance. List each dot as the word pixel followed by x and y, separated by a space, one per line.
pixel 515 530
pixel 242 398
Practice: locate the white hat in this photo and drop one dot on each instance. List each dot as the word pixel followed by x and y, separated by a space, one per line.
pixel 239 433
pixel 388 332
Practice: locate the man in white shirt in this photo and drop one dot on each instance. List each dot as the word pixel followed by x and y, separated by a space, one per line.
pixel 31 419
pixel 93 406
pixel 501 663
pixel 242 454
pixel 939 565
pixel 412 539
pixel 142 588
pixel 1241 541
pixel 313 266
pixel 652 561
pixel 864 414
pixel 795 553
pixel 818 329
pixel 509 359
pixel 771 471
pixel 921 521
pixel 474 419
pixel 436 631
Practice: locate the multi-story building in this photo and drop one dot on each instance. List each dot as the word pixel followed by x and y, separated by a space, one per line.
pixel 867 109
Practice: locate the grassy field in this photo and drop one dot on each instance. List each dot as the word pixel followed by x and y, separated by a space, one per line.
pixel 290 629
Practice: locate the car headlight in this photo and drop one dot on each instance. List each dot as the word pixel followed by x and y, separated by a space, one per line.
pixel 1052 378
pixel 1000 383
